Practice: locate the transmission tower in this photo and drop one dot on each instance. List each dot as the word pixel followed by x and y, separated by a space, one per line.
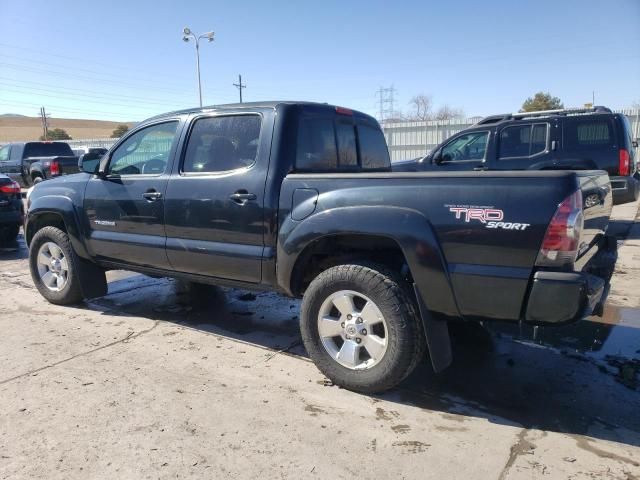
pixel 386 102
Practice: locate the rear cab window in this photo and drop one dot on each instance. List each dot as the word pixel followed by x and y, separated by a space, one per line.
pixel 47 149
pixel 340 143
pixel 523 141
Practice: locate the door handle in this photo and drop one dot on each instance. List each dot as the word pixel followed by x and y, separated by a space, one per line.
pixel 480 169
pixel 152 195
pixel 242 196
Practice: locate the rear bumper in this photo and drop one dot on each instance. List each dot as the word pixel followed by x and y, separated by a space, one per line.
pixel 10 217
pixel 624 189
pixel 560 297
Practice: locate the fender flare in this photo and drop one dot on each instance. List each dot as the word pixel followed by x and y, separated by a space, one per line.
pixel 407 227
pixel 37 167
pixel 63 207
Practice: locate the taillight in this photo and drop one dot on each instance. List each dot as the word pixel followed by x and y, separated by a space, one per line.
pixel 54 169
pixel 562 239
pixel 624 167
pixel 11 188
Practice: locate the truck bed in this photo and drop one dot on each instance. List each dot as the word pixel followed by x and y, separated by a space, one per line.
pixel 489 270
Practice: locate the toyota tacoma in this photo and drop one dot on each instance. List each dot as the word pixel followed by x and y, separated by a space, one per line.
pixel 300 198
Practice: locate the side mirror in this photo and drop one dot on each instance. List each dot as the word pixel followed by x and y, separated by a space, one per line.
pixel 634 143
pixel 437 157
pixel 89 163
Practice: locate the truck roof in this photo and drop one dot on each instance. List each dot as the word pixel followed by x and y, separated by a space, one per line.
pixel 248 105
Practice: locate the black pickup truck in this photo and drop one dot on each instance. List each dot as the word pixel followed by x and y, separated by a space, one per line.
pixel 299 198
pixel 31 162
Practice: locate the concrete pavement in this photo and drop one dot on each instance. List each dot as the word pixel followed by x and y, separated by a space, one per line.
pixel 150 382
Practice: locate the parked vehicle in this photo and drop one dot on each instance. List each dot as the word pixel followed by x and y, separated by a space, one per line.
pixel 576 139
pixel 299 198
pixel 31 162
pixel 11 209
pixel 83 150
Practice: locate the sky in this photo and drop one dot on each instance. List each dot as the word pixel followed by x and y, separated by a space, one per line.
pixel 125 60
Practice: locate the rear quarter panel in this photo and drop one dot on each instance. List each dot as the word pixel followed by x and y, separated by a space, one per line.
pixel 488 269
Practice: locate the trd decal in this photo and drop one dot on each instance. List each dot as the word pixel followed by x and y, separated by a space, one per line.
pixel 481 214
pixel 489 216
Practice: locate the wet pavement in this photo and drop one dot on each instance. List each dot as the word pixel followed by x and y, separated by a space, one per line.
pixel 578 382
pixel 576 379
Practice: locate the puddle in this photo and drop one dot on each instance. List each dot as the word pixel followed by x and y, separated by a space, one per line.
pixel 612 341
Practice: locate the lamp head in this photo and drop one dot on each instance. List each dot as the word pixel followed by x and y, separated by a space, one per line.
pixel 185 39
pixel 186 31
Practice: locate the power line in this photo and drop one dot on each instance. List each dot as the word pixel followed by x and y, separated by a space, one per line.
pixel 49 72
pixel 16 103
pixel 91 92
pixel 240 86
pixel 58 94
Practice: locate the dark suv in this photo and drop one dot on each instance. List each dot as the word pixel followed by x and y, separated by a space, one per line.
pixel 572 139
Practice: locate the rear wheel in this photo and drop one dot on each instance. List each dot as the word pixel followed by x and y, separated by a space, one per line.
pixel 359 326
pixel 36 179
pixel 54 266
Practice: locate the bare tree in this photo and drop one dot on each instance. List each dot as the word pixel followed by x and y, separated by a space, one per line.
pixel 421 106
pixel 447 113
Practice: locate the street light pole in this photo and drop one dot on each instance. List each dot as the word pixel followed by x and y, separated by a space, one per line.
pixel 187 35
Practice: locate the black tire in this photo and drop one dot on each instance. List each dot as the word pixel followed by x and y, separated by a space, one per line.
pixel 71 293
pixel 405 338
pixel 36 179
pixel 9 233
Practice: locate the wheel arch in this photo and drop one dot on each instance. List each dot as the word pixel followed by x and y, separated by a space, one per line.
pixel 405 234
pixel 59 212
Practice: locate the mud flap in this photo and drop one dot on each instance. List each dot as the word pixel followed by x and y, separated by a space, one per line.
pixel 93 281
pixel 437 335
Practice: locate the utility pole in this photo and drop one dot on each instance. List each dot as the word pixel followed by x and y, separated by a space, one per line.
pixel 45 123
pixel 240 86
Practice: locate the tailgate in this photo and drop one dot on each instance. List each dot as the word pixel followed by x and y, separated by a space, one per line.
pixel 597 204
pixel 68 165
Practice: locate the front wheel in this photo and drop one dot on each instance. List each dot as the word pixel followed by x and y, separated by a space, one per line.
pixel 54 266
pixel 360 328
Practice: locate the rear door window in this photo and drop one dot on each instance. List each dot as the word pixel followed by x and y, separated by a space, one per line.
pixel 224 143
pixel 522 141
